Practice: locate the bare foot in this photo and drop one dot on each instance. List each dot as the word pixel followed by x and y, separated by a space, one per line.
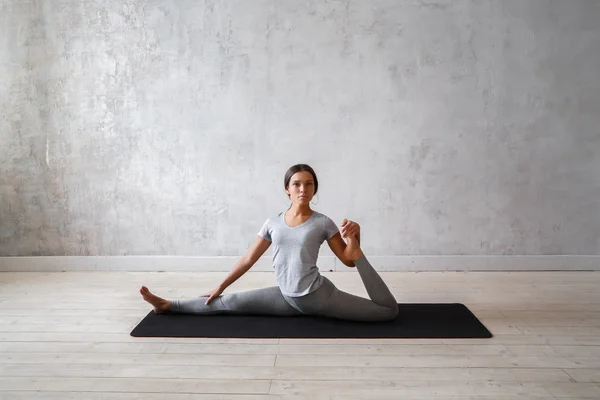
pixel 353 250
pixel 160 305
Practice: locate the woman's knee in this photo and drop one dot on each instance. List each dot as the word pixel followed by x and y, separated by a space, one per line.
pixel 392 313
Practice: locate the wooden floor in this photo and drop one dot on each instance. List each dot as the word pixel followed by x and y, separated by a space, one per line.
pixel 66 336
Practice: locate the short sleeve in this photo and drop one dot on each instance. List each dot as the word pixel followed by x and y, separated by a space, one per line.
pixel 265 232
pixel 330 228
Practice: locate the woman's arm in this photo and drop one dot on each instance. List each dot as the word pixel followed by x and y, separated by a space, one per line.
pixel 240 268
pixel 338 246
pixel 246 262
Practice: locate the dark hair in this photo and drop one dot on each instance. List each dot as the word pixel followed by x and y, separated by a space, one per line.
pixel 299 168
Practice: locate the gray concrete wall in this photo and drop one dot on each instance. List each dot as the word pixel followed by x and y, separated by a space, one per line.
pixel 165 127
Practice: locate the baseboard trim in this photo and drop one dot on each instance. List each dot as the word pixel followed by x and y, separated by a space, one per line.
pixel 326 263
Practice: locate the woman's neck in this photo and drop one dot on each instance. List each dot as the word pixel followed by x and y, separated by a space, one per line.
pixel 297 210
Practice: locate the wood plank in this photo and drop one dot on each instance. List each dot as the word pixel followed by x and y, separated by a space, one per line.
pixel 590 375
pixel 137 348
pixel 508 339
pixel 286 373
pixel 371 389
pixel 584 351
pixel 87 395
pixel 573 389
pixel 258 360
pixel 139 385
pixel 535 315
pixel 499 339
pixel 116 338
pixel 561 330
pixel 288 360
pixel 67 328
pixel 138 313
pixel 553 322
pixel 366 349
pixel 69 320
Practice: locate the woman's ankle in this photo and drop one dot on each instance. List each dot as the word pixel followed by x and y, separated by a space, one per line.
pixel 361 260
pixel 357 255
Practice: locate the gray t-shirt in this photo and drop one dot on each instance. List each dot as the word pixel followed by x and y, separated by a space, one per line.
pixel 295 251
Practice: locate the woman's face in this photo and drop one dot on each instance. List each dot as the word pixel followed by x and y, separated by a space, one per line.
pixel 301 188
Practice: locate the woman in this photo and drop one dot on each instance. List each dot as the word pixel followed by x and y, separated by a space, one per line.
pixel 297 235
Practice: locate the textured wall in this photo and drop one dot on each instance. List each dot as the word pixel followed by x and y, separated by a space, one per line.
pixel 165 127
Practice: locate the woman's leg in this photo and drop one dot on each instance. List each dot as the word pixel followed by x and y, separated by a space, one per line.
pixel 376 287
pixel 267 301
pixel 329 301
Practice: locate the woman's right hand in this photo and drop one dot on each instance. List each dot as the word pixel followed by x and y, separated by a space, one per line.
pixel 212 294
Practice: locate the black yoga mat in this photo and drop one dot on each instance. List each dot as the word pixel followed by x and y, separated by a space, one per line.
pixel 428 320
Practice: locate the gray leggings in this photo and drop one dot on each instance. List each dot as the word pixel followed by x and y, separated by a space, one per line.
pixel 327 301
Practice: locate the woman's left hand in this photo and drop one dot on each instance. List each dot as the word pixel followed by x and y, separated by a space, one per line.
pixel 349 228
